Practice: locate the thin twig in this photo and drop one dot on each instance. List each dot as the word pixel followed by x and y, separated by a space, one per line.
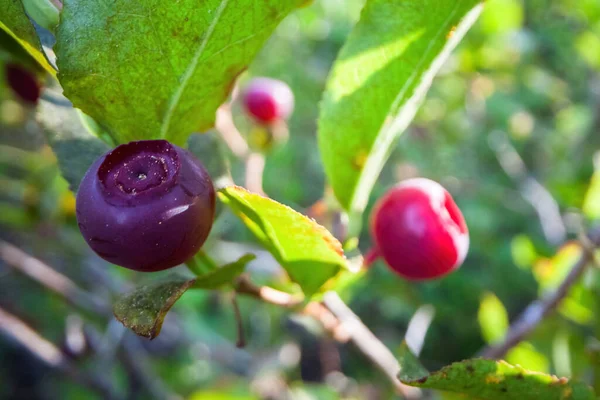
pixel 51 279
pixel 255 167
pixel 368 343
pixel 231 136
pixel 542 201
pixel 241 336
pixel 536 311
pixel 51 355
pixel 266 294
pixel 337 319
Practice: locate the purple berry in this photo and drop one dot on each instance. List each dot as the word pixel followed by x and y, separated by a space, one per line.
pixel 146 205
pixel 268 100
pixel 23 83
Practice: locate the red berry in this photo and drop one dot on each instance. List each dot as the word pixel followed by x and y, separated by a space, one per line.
pixel 23 83
pixel 419 230
pixel 268 100
pixel 146 205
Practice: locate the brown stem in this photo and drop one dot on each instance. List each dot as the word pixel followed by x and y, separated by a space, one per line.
pixel 82 300
pixel 337 319
pixel 536 311
pixel 255 167
pixel 241 336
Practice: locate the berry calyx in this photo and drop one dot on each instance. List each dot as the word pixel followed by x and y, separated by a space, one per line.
pixel 23 83
pixel 146 205
pixel 268 100
pixel 419 230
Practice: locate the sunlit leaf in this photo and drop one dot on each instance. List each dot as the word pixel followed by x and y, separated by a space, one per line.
pixel 525 355
pixel 493 318
pixel 307 251
pixel 377 83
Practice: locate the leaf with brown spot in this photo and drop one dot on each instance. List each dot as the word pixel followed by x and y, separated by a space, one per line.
pixel 144 310
pixel 491 380
pixel 306 250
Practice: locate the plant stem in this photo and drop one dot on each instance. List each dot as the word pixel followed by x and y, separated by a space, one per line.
pixel 201 264
pixel 370 257
pixel 537 310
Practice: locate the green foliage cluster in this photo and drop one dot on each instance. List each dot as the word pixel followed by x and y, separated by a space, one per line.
pixel 509 127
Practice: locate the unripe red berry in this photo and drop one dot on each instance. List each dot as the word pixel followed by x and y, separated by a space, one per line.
pixel 146 205
pixel 268 100
pixel 419 230
pixel 23 83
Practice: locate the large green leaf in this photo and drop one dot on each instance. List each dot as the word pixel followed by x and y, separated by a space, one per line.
pixel 156 68
pixel 378 82
pixel 307 251
pixel 491 380
pixel 15 22
pixel 144 310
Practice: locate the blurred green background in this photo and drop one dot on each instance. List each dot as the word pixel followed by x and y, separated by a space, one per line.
pixel 511 127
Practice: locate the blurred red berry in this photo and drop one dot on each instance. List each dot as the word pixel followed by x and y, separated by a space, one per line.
pixel 268 100
pixel 419 230
pixel 23 83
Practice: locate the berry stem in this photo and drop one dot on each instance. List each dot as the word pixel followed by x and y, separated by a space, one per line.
pixel 241 336
pixel 201 264
pixel 370 257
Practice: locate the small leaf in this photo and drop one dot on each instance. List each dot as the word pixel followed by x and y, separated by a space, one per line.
pixel 43 12
pixel 223 275
pixel 377 83
pixel 306 250
pixel 75 148
pixel 591 201
pixel 15 22
pixel 493 318
pixel 491 380
pixel 144 310
pixel 148 69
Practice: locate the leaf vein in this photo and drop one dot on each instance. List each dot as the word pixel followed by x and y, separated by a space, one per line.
pixel 189 72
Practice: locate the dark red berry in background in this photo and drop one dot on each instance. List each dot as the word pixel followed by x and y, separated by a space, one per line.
pixel 419 230
pixel 268 100
pixel 23 83
pixel 146 205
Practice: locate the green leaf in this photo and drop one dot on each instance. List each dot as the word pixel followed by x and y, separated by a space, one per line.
pixel 306 250
pixel 491 380
pixel 493 318
pixel 149 69
pixel 377 84
pixel 591 202
pixel 44 12
pixel 75 148
pixel 144 310
pixel 223 275
pixel 15 23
